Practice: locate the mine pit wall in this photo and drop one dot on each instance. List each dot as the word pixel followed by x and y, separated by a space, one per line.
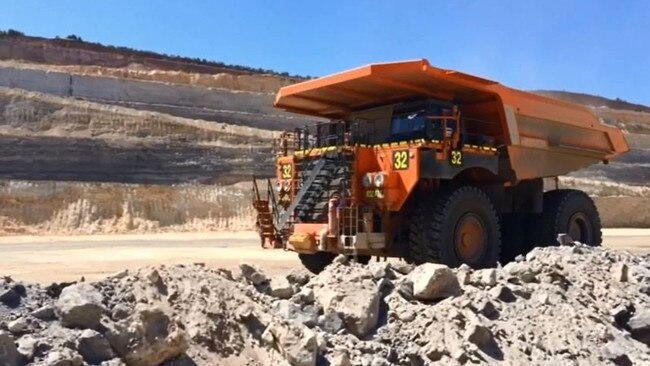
pixel 211 104
pixel 90 208
pixel 28 207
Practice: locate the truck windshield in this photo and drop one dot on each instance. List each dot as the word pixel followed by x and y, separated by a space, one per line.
pixel 408 125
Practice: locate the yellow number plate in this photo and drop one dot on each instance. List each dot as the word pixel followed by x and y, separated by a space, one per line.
pixel 286 171
pixel 456 157
pixel 400 159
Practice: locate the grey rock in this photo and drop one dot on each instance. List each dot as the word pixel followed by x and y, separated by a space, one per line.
pixel 503 293
pixel 17 326
pixel 9 351
pixel 639 325
pixel 341 259
pixel 154 278
pixel 80 306
pixel 521 270
pixel 45 312
pixel 9 297
pixel 93 347
pixel 114 362
pixel 379 361
pixel 27 346
pixel 119 312
pixel 340 358
pixel 330 322
pixel 147 338
pixel 253 274
pixel 306 296
pixel 617 354
pixel 121 274
pixel 297 344
pixel 486 277
pixel 357 303
pixel 402 267
pixel 478 334
pixel 63 357
pixel 619 272
pixel 280 287
pixel 292 312
pixel 380 270
pixel 433 281
pixel 299 276
pixel 488 310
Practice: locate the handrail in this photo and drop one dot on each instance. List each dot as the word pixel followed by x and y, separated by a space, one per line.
pixel 256 190
pixel 272 202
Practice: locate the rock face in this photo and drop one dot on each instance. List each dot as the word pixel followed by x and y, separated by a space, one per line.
pixel 147 338
pixel 80 306
pixel 433 282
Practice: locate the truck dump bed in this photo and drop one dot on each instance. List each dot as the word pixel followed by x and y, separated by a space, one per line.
pixel 542 136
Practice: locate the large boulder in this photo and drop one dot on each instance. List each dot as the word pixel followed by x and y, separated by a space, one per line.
pixel 147 338
pixel 80 306
pixel 297 344
pixel 9 351
pixel 432 281
pixel 355 298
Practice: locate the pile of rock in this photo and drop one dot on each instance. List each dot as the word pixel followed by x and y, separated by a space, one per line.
pixel 564 305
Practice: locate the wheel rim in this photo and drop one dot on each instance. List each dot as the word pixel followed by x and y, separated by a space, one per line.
pixel 580 228
pixel 470 238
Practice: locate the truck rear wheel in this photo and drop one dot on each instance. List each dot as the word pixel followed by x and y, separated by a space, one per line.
pixel 459 226
pixel 571 212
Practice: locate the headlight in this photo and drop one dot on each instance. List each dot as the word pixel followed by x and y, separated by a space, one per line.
pixel 366 181
pixel 380 179
pixel 285 185
pixel 279 186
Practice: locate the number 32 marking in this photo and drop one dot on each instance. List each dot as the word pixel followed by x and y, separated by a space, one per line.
pixel 400 159
pixel 286 171
pixel 456 157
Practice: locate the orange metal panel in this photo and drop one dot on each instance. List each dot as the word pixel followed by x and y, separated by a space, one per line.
pixel 527 121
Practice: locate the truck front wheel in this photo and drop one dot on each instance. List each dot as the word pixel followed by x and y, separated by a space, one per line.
pixel 458 226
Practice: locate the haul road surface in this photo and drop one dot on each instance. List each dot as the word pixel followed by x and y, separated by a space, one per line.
pixel 47 259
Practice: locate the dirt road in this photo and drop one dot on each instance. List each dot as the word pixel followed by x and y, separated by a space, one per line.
pixel 48 259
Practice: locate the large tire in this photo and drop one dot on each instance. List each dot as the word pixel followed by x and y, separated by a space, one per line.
pixel 315 263
pixel 458 226
pixel 567 211
pixel 514 236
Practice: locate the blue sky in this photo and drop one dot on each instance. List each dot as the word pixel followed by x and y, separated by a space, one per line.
pixel 597 47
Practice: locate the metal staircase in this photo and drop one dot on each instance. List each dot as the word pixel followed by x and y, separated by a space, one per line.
pixel 320 184
pixel 267 213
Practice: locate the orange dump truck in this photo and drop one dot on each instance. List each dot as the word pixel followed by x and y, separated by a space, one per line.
pixel 430 165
